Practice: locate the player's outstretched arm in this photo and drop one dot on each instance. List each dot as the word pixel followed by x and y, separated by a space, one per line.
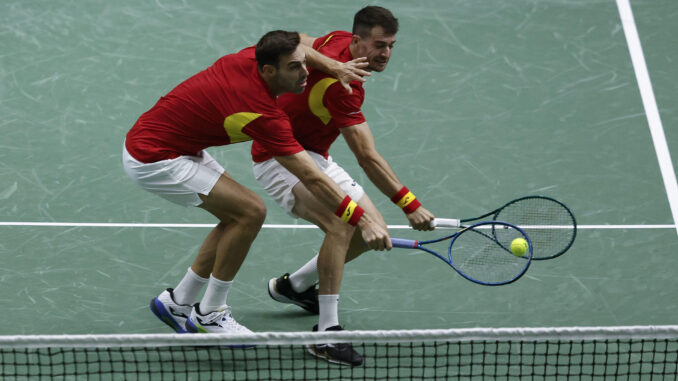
pixel 361 141
pixel 328 193
pixel 306 39
pixel 345 72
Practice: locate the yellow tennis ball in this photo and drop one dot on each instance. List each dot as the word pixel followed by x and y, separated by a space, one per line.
pixel 519 247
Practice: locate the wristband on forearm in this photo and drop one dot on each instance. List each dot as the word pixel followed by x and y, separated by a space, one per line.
pixel 406 200
pixel 349 211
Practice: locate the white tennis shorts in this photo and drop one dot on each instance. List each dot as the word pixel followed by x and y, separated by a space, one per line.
pixel 278 181
pixel 178 180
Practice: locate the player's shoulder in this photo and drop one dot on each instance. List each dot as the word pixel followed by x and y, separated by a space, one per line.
pixel 235 67
pixel 332 39
pixel 244 56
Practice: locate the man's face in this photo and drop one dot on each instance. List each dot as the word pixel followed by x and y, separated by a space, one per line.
pixel 292 73
pixel 377 47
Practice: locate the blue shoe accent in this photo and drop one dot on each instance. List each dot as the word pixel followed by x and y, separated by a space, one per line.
pixel 169 312
pixel 190 327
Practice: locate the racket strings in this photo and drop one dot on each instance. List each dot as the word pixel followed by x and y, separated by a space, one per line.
pixel 484 255
pixel 549 224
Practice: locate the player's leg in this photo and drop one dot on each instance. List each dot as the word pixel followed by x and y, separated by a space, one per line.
pixel 330 261
pixel 201 181
pixel 300 287
pixel 309 208
pixel 293 197
pixel 241 213
pixel 326 268
pixel 159 178
pixel 174 305
pixel 198 274
pixel 330 268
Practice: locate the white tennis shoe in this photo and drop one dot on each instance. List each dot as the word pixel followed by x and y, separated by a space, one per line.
pixel 219 321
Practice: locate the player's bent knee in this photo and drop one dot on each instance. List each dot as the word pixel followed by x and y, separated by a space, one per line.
pixel 256 212
pixel 251 213
pixel 340 229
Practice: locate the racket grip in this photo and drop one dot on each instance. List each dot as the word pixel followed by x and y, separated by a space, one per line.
pixel 445 223
pixel 404 243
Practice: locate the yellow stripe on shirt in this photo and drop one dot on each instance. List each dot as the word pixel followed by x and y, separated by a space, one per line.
pixel 233 124
pixel 315 99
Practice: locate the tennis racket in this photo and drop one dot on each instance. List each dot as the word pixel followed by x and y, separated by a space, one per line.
pixel 480 252
pixel 549 223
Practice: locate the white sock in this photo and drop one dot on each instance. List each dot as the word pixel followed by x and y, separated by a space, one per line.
pixel 188 289
pixel 307 276
pixel 329 311
pixel 215 295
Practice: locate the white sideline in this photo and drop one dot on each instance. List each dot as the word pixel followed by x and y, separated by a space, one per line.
pixel 650 105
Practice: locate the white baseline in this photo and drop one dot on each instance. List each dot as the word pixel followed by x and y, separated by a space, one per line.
pixel 266 226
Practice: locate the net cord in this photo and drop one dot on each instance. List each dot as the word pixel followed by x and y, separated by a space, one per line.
pixel 380 336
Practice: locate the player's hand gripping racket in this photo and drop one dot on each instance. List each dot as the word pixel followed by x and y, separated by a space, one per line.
pixel 481 252
pixel 549 223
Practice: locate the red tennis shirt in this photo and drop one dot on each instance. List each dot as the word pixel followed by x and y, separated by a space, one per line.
pixel 324 107
pixel 226 103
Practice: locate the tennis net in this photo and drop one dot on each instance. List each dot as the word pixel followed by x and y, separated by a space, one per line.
pixel 635 353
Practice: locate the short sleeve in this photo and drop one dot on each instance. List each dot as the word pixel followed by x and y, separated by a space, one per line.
pixel 274 134
pixel 345 108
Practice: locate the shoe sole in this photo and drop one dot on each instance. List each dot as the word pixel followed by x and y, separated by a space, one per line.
pixel 161 313
pixel 330 359
pixel 283 299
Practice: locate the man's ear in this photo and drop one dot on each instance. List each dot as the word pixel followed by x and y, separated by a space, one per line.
pixel 269 70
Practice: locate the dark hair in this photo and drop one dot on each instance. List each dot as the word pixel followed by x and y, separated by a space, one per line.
pixel 371 16
pixel 274 44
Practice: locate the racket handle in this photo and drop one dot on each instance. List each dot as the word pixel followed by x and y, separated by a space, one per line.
pixel 404 243
pixel 445 223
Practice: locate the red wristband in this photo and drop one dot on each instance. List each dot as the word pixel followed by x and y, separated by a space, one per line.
pixel 406 200
pixel 412 206
pixel 340 210
pixel 401 193
pixel 357 213
pixel 349 211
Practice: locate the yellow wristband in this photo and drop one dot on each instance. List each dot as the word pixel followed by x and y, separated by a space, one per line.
pixel 348 212
pixel 406 200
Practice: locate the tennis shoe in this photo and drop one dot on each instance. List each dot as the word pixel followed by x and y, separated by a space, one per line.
pixel 340 353
pixel 219 321
pixel 280 289
pixel 170 312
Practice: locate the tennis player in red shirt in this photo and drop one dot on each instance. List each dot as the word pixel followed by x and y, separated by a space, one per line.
pixel 232 101
pixel 319 115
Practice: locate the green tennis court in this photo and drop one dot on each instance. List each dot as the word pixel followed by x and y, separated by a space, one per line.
pixel 482 102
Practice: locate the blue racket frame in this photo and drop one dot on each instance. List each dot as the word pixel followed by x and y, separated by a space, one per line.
pixel 414 244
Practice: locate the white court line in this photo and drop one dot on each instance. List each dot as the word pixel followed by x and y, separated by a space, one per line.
pixel 650 105
pixel 266 226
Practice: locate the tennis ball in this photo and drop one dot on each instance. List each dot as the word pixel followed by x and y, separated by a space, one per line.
pixel 519 247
